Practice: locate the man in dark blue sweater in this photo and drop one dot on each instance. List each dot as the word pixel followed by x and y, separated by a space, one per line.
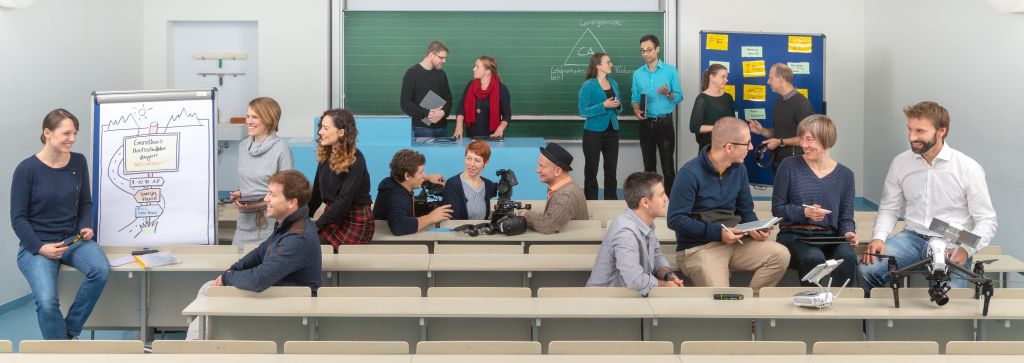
pixel 290 257
pixel 394 201
pixel 709 196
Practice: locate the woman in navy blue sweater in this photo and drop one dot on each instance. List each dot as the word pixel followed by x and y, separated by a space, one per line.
pixel 50 202
pixel 599 104
pixel 468 193
pixel 813 194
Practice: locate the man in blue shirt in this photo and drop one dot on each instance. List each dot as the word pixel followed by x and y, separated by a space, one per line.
pixel 709 198
pixel 659 82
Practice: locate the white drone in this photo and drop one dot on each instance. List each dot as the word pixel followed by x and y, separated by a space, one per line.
pixel 820 297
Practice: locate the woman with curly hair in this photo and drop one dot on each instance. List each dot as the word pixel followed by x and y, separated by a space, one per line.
pixel 342 183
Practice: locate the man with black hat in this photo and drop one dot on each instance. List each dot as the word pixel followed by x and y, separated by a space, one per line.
pixel 565 198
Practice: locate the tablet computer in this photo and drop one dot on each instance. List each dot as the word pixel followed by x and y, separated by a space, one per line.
pixel 824 240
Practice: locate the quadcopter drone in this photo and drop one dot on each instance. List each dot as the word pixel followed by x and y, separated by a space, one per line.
pixel 938 268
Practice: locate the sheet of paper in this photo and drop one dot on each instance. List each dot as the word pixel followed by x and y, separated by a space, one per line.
pixel 803 91
pixel 724 64
pixel 731 90
pixel 718 42
pixel 751 52
pixel 753 69
pixel 799 44
pixel 754 92
pixel 754 114
pixel 800 67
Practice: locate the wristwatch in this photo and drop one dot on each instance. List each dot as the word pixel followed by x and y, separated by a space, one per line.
pixel 668 276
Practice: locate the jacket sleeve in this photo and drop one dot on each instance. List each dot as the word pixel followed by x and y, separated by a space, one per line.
pixel 461 109
pixel 680 205
pixel 314 196
pixel 400 214
pixel 586 105
pixel 783 205
pixel 451 197
pixel 251 259
pixel 21 195
pixel 342 202
pixel 287 257
pixel 627 262
pixel 697 115
pixel 556 215
pixel 446 94
pixel 85 203
pixel 506 104
pixel 410 105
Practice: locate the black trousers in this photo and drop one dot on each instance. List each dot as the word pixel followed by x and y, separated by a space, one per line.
pixel 658 136
pixel 596 144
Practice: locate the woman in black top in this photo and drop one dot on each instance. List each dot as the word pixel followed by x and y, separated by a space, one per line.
pixel 486 106
pixel 342 183
pixel 711 104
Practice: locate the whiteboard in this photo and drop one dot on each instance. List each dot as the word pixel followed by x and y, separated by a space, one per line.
pixel 153 167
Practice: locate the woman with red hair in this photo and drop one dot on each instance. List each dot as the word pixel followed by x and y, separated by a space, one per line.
pixel 469 193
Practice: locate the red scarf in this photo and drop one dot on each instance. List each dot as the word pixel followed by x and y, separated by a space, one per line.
pixel 492 95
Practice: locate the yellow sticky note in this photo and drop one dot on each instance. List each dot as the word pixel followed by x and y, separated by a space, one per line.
pixel 798 44
pixel 802 91
pixel 731 90
pixel 718 41
pixel 754 92
pixel 753 68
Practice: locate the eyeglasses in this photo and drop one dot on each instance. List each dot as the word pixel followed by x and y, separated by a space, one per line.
pixel 647 50
pixel 439 56
pixel 747 144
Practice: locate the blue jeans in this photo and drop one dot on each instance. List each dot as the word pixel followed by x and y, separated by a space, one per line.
pixel 805 256
pixel 41 273
pixel 908 247
pixel 429 132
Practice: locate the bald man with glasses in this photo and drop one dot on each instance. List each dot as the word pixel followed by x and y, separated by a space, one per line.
pixel 711 195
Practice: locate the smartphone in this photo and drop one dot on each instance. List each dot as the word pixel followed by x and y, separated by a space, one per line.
pixel 728 296
pixel 71 240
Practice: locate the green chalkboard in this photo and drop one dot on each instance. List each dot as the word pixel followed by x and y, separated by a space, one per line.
pixel 542 57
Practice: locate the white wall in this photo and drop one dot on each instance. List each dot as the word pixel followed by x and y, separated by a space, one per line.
pixel 55 53
pixel 840 21
pixel 965 56
pixel 294 64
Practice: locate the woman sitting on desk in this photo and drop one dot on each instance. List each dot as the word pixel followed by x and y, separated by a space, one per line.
pixel 51 203
pixel 260 155
pixel 468 193
pixel 486 106
pixel 813 194
pixel 342 183
pixel 599 104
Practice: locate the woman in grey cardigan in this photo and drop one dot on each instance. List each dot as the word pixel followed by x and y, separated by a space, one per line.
pixel 260 155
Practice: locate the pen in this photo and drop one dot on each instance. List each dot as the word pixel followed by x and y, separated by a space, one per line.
pixel 731 234
pixel 813 207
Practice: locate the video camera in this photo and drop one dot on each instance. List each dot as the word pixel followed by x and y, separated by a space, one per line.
pixel 505 205
pixel 428 199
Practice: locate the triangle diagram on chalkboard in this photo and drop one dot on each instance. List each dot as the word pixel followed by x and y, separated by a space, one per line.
pixel 585 47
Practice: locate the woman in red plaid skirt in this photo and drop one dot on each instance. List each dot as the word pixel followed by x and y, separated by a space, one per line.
pixel 342 183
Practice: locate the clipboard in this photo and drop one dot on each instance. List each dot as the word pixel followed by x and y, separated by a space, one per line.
pixel 430 102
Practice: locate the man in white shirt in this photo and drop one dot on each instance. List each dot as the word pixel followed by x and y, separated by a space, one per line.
pixel 931 180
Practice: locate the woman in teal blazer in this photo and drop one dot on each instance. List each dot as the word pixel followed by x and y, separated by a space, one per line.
pixel 599 104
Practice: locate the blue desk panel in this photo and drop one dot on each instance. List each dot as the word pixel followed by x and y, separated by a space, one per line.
pixel 381 137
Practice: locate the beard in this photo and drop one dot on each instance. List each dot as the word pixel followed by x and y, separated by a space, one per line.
pixel 923 146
